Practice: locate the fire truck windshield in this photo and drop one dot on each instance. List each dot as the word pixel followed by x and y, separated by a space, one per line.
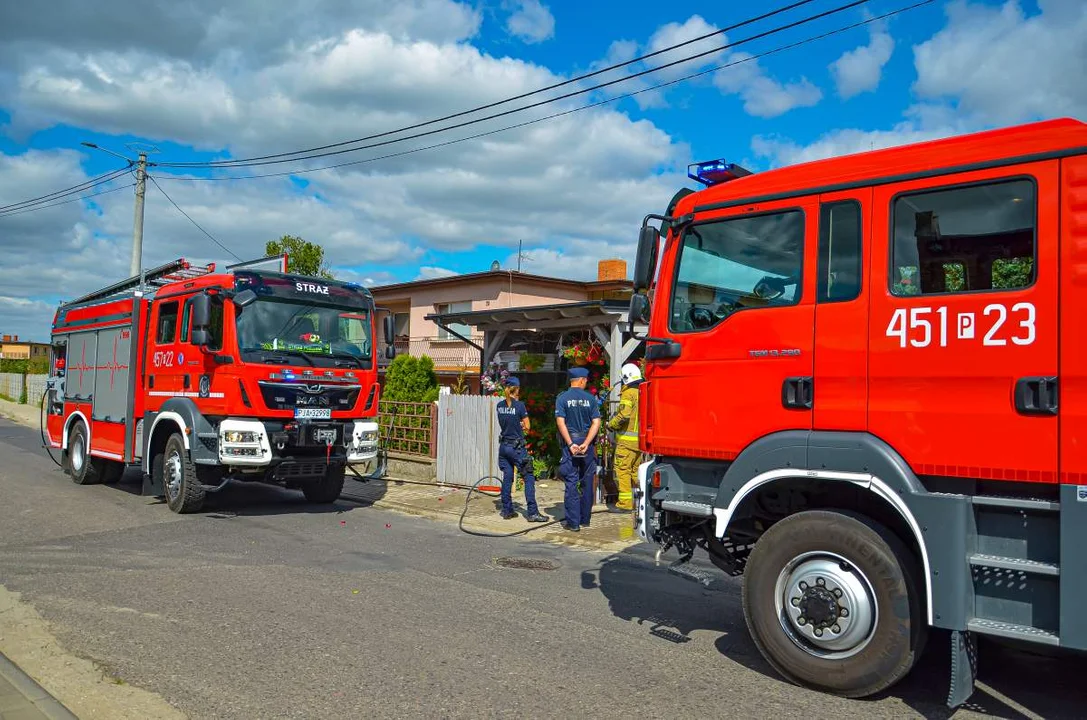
pixel 315 333
pixel 737 263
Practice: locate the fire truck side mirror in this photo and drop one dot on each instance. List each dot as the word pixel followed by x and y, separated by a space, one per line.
pixel 639 309
pixel 648 242
pixel 245 297
pixel 201 312
pixel 389 326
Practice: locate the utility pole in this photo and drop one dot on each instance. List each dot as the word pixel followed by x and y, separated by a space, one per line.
pixel 137 221
pixel 136 265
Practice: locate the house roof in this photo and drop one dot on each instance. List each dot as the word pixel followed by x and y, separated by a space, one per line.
pixel 503 275
pixel 577 314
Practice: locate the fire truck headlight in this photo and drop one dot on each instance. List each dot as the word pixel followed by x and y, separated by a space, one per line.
pixel 244 442
pixel 241 436
pixel 367 437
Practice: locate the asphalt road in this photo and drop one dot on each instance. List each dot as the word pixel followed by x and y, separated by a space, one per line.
pixel 263 607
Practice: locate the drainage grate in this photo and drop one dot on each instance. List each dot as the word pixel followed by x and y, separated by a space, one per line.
pixel 526 563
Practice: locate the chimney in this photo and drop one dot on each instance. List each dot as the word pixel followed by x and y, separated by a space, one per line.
pixel 7 338
pixel 607 270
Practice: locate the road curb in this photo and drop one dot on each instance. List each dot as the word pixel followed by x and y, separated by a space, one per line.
pixel 32 691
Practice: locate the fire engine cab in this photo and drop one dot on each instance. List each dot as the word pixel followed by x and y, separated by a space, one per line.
pixel 200 377
pixel 866 392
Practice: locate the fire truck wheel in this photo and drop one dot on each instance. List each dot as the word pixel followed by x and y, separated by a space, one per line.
pixel 327 489
pixel 831 601
pixel 84 469
pixel 184 492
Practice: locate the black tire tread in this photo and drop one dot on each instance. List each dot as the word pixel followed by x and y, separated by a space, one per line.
pixel 92 466
pixel 191 497
pixel 872 532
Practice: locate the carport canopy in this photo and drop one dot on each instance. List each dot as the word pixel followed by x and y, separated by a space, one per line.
pixel 605 319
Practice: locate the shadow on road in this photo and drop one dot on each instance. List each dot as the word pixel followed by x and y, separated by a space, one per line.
pixel 257 499
pixel 1011 681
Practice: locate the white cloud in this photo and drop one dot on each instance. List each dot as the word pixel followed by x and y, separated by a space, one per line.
pixel 531 21
pixel 427 272
pixel 973 75
pixel 762 95
pixel 843 142
pixel 1004 67
pixel 859 70
pixel 539 183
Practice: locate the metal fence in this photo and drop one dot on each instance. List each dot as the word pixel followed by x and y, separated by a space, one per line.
pixel 11 386
pixel 467 438
pixel 409 427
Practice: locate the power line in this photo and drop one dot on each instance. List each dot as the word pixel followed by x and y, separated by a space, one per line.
pixel 198 227
pixel 571 111
pixel 565 96
pixel 453 116
pixel 65 202
pixel 75 189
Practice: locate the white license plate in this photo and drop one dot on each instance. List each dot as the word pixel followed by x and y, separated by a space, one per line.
pixel 313 413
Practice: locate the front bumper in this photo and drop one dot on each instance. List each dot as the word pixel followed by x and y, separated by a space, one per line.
pixel 363 447
pixel 257 444
pixel 643 513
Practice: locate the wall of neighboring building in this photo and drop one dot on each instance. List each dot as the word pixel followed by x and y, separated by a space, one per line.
pixel 23 350
pixel 472 294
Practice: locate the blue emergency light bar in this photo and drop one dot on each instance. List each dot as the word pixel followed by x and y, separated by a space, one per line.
pixel 715 172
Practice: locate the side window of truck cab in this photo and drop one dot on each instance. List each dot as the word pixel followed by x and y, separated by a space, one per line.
pixel 166 325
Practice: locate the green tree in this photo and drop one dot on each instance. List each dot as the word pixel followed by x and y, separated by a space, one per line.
pixel 410 379
pixel 303 257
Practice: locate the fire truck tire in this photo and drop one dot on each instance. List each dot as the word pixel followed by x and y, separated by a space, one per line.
pixel 327 489
pixel 180 481
pixel 831 601
pixel 83 468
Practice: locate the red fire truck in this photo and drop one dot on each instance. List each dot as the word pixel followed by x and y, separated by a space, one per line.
pixel 866 391
pixel 200 377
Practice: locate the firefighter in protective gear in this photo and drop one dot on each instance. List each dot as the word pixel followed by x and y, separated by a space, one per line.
pixel 625 426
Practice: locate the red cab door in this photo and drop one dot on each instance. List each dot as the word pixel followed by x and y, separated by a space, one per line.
pixel 738 293
pixel 963 331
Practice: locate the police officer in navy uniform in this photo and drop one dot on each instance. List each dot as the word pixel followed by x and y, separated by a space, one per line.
pixel 577 413
pixel 512 453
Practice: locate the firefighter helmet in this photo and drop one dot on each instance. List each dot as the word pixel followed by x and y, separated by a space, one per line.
pixel 631 373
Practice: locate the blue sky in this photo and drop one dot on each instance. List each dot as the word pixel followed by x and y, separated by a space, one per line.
pixel 217 82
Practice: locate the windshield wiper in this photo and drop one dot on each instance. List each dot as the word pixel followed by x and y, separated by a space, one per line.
pixel 274 357
pixel 347 356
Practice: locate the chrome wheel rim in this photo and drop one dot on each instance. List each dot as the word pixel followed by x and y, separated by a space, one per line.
pixel 77 453
pixel 172 473
pixel 826 605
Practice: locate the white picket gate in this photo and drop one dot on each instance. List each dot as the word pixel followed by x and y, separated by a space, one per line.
pixel 467 438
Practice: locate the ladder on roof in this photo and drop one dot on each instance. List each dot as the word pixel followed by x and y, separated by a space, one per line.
pixel 172 271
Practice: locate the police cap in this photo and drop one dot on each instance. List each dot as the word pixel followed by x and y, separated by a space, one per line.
pixel 577 372
pixel 512 382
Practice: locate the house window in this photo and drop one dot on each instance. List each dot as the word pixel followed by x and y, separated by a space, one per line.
pixel 402 324
pixel 457 307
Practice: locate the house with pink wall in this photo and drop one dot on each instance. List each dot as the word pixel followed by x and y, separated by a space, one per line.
pixel 411 302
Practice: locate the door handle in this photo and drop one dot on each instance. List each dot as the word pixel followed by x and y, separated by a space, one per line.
pixel 798 393
pixel 1036 396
